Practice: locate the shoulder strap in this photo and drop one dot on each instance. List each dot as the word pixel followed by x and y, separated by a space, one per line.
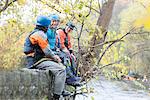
pixel 35 30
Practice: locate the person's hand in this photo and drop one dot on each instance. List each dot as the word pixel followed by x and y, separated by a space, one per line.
pixel 57 58
pixel 72 55
pixel 65 50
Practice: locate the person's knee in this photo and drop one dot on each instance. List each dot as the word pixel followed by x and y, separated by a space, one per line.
pixel 62 67
pixel 61 73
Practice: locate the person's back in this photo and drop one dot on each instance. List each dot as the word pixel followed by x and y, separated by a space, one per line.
pixel 32 50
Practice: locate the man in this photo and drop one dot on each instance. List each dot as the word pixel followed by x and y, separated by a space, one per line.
pixel 64 43
pixel 51 34
pixel 36 48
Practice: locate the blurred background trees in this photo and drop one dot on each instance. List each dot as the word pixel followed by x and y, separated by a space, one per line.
pixel 112 35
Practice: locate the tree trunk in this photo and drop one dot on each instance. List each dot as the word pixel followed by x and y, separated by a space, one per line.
pixel 102 23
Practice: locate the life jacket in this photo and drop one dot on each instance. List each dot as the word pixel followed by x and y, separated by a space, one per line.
pixel 51 35
pixel 30 48
pixel 66 41
pixel 66 38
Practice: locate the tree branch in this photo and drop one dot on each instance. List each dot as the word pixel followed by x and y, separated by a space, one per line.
pixel 92 9
pixel 100 58
pixel 111 64
pixel 142 32
pixel 107 42
pixel 138 51
pixel 53 7
pixel 7 4
pixel 99 7
pixel 148 49
pixel 79 48
pixel 12 2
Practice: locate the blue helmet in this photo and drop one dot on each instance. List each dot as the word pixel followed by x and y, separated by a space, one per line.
pixel 70 25
pixel 54 17
pixel 43 21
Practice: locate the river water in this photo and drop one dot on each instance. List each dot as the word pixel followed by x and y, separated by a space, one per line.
pixel 113 90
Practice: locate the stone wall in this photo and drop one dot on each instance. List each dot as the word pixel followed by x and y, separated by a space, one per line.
pixel 25 84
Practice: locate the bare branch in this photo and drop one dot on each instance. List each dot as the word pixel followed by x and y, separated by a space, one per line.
pixel 133 54
pixel 111 63
pixel 53 7
pixel 90 9
pixel 107 42
pixel 99 7
pixel 141 32
pixel 93 9
pixel 104 52
pixel 100 58
pixel 7 4
pixel 138 51
pixel 79 48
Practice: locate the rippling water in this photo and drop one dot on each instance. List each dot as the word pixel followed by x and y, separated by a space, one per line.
pixel 113 90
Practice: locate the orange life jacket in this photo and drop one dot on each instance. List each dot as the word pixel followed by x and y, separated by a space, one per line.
pixel 64 39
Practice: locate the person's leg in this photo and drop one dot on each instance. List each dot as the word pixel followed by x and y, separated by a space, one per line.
pixel 59 73
pixel 73 66
pixel 66 62
pixel 71 78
